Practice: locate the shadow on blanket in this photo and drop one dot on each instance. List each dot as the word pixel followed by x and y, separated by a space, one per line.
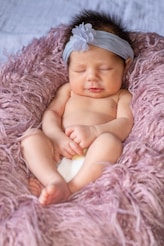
pixel 123 207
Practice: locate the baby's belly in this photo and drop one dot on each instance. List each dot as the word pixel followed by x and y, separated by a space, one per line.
pixel 86 119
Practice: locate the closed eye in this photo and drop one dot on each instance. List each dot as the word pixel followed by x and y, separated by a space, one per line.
pixel 105 68
pixel 79 71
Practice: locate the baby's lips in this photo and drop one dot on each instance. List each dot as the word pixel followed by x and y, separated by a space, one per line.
pixel 95 90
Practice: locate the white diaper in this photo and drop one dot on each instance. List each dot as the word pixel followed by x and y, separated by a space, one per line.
pixel 69 168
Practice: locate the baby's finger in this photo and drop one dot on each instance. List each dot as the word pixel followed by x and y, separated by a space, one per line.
pixel 76 148
pixel 68 131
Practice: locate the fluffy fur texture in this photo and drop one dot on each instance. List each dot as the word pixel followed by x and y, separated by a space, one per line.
pixel 123 207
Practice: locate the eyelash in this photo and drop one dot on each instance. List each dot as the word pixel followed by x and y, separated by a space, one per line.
pixel 80 71
pixel 101 69
pixel 107 68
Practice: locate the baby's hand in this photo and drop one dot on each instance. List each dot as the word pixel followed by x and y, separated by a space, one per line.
pixel 66 147
pixel 82 135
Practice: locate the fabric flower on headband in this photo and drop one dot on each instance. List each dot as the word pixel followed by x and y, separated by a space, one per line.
pixel 82 35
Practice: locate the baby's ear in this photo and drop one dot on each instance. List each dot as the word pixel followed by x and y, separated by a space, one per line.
pixel 128 61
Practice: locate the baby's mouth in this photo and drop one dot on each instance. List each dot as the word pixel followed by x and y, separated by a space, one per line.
pixel 95 90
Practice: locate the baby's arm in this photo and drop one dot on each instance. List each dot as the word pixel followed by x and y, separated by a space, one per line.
pixel 52 124
pixel 122 125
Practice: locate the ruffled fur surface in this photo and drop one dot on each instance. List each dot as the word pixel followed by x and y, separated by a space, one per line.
pixel 123 207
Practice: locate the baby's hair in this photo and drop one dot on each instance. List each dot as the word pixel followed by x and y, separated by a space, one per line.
pixel 99 21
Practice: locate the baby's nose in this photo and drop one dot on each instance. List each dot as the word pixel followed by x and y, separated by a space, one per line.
pixel 92 75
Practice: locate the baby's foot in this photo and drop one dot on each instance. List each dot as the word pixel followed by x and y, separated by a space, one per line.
pixel 35 186
pixel 54 193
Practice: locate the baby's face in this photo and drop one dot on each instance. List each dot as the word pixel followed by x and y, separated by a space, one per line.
pixel 96 72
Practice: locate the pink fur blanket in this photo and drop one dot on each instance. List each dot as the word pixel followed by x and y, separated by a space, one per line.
pixel 125 207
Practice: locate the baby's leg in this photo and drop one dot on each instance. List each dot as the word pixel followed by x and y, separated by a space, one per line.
pixel 38 152
pixel 105 149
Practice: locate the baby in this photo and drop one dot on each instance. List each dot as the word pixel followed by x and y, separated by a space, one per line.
pixel 91 112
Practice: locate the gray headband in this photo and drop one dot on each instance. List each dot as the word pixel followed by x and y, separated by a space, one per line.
pixel 84 34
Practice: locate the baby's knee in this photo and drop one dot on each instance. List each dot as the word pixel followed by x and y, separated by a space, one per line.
pixel 109 138
pixel 110 141
pixel 34 137
pixel 29 134
pixel 112 145
pixel 108 146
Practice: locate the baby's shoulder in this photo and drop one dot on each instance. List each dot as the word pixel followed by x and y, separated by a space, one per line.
pixel 63 90
pixel 121 94
pixel 124 96
pixel 124 93
pixel 65 87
